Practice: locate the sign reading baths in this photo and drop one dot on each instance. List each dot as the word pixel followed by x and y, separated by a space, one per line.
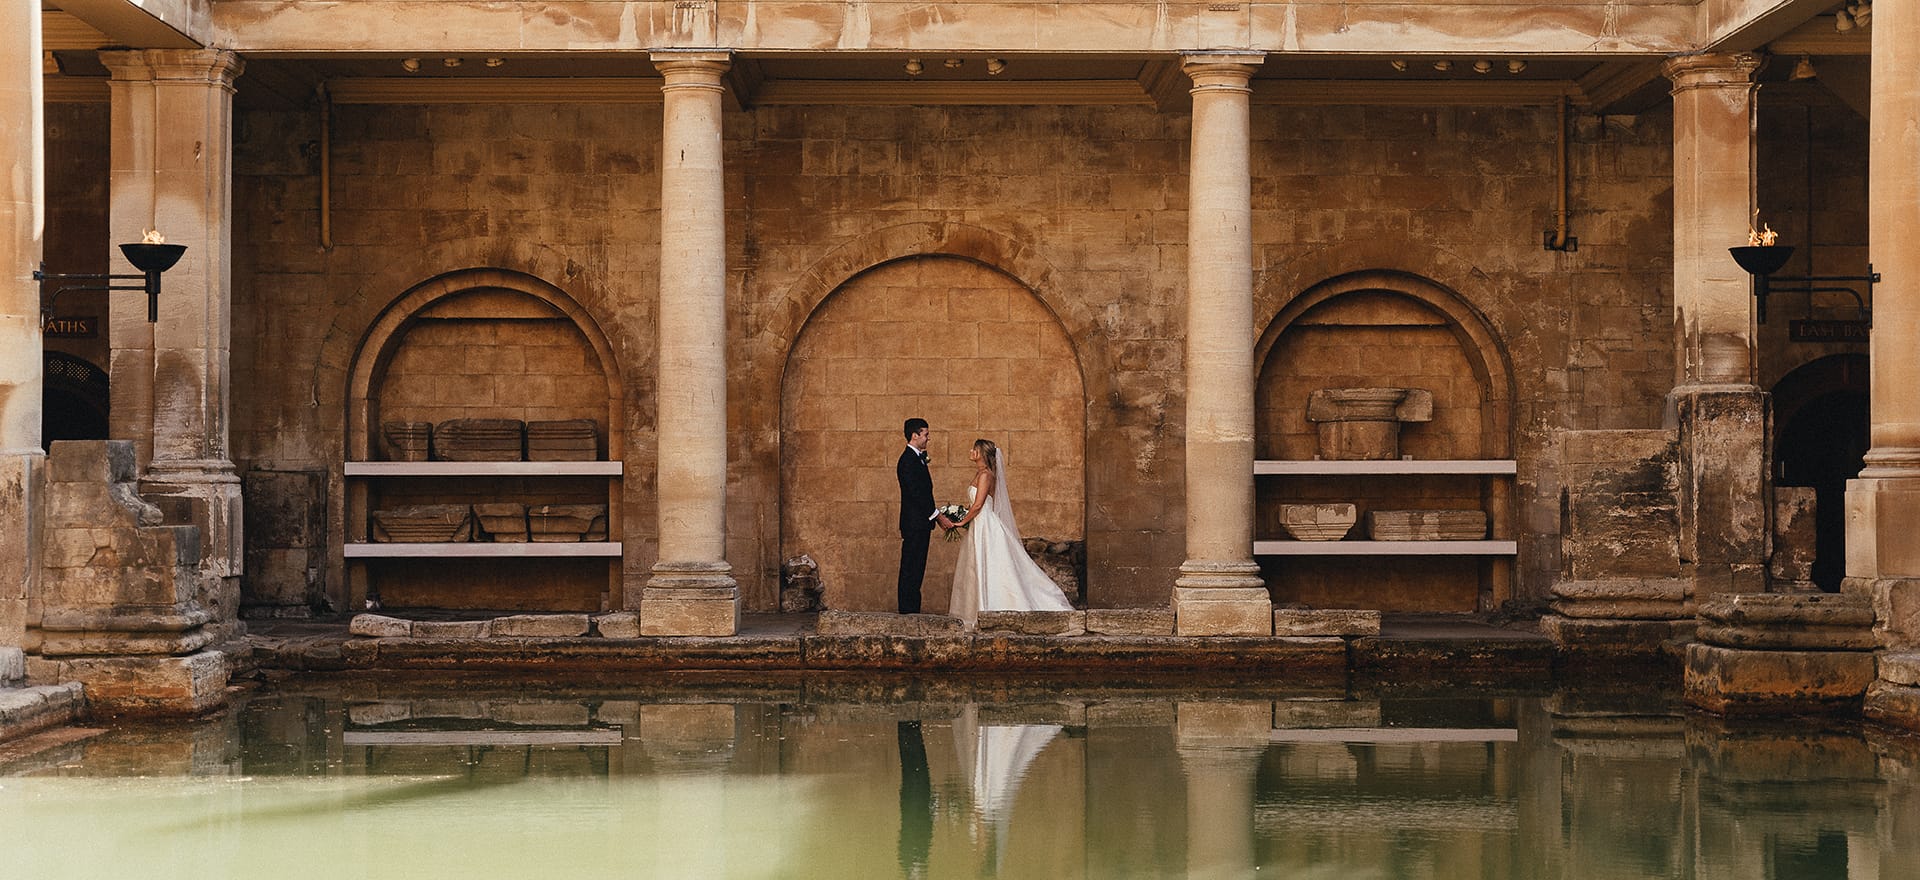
pixel 1827 331
pixel 75 327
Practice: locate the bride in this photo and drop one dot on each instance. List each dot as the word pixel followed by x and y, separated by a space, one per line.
pixel 995 573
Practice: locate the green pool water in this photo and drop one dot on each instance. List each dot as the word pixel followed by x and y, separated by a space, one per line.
pixel 904 778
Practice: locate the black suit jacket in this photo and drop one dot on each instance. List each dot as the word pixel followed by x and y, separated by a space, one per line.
pixel 916 495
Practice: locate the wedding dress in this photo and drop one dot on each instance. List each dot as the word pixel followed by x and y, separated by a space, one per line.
pixel 994 572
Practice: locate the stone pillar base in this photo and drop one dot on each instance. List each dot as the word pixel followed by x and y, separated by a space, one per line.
pixel 1217 611
pixel 206 494
pixel 1730 681
pixel 1613 636
pixel 690 599
pixel 151 686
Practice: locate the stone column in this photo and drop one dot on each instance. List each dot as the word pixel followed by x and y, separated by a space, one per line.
pixel 171 167
pixel 21 199
pixel 1883 505
pixel 692 591
pixel 1722 415
pixel 1219 591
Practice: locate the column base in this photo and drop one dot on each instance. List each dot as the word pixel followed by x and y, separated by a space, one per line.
pixel 149 686
pixel 206 494
pixel 1221 599
pixel 1730 681
pixel 690 599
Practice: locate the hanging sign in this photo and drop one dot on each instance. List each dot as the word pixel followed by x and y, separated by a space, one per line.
pixel 1827 331
pixel 74 327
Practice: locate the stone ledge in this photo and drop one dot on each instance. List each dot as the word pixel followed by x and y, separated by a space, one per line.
pixel 1730 681
pixel 1782 638
pixel 882 623
pixel 1325 622
pixel 1130 621
pixel 149 686
pixel 1789 609
pixel 1033 623
pixel 30 709
pixel 1603 636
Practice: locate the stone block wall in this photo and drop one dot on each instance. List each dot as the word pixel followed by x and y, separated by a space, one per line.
pixel 1082 208
pixel 1620 505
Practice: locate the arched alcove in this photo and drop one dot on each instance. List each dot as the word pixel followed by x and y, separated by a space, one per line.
pixel 484 344
pixel 1821 437
pixel 959 343
pixel 1394 330
pixel 76 400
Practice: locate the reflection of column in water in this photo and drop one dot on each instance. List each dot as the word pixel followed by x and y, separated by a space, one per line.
pixel 1220 746
pixel 916 800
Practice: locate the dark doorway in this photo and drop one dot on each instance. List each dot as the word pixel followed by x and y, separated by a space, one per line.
pixel 1821 410
pixel 75 404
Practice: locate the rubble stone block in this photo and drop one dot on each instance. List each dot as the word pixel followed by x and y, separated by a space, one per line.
pixel 479 440
pixel 379 626
pixel 406 441
pixel 158 686
pixel 1733 680
pixel 540 626
pixel 502 522
pixel 424 523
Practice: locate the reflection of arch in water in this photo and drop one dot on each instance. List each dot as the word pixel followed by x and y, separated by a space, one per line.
pixel 76 400
pixel 1820 410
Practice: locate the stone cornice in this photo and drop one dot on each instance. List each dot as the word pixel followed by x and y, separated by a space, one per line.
pixel 1595 28
pixel 496 90
pixel 1436 93
pixel 75 89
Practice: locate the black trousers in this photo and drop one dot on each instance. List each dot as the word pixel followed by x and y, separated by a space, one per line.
pixel 913 570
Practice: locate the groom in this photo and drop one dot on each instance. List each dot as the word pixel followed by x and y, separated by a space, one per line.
pixel 916 514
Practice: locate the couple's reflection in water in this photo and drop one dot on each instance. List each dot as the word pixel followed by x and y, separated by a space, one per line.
pixel 993 758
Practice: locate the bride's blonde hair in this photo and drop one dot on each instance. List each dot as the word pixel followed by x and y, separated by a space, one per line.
pixel 989 453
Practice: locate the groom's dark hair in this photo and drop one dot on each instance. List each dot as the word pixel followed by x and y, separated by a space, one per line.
pixel 915 426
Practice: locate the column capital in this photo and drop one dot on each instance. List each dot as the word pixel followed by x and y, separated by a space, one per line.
pixel 1213 71
pixel 212 66
pixel 714 61
pixel 1711 70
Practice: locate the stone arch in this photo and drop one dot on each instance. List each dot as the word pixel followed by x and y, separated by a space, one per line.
pixel 942 335
pixel 387 332
pixel 1409 295
pixel 1395 329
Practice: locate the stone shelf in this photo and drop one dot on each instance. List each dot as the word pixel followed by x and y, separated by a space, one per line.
pixel 1385 548
pixel 480 549
pixel 1492 466
pixel 484 468
pixel 482 738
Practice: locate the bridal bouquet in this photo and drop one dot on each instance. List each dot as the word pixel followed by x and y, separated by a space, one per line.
pixel 952 512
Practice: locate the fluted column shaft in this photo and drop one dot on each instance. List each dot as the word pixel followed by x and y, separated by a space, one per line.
pixel 692 591
pixel 171 171
pixel 1722 416
pixel 22 198
pixel 1219 591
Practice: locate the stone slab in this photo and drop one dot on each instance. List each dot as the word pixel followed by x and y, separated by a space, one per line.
pixel 452 629
pixel 1427 525
pixel 618 625
pixel 1032 623
pixel 1900 667
pixel 869 623
pixel 1624 609
pixel 29 709
pixel 1130 621
pixel 1615 636
pixel 1622 589
pixel 379 626
pixel 1736 681
pixel 1782 638
pixel 1325 622
pixel 541 626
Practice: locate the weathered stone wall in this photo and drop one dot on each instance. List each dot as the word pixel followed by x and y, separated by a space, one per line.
pixel 1079 209
pixel 956 343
